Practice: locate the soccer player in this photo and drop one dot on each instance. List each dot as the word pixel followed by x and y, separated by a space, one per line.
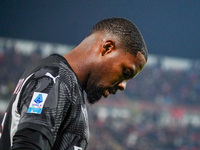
pixel 48 110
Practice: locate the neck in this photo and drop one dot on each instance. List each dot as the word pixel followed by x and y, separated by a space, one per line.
pixel 83 57
pixel 78 66
pixel 79 60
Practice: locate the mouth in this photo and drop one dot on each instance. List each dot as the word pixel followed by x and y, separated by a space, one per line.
pixel 107 92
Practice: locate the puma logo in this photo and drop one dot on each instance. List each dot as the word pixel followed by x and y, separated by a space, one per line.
pixel 77 148
pixel 51 76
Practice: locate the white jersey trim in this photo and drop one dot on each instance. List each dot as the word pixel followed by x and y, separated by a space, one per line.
pixel 15 114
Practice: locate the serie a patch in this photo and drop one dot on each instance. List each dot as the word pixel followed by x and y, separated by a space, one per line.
pixel 37 102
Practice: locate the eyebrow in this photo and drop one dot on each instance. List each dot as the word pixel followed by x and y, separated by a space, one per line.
pixel 140 67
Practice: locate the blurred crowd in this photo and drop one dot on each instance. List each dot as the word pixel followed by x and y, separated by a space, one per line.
pixel 126 134
pixel 154 85
pixel 12 65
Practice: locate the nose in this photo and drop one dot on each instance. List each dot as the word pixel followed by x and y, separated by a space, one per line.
pixel 122 85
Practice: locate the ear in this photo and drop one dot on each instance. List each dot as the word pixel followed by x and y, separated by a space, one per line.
pixel 108 47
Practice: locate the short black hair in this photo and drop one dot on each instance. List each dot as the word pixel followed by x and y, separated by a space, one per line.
pixel 128 33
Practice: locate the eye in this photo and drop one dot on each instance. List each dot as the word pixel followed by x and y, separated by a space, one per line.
pixel 126 73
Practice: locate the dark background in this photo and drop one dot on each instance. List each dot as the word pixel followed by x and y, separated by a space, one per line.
pixel 170 28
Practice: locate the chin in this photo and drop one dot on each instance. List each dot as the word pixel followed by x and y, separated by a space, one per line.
pixel 94 93
pixel 93 99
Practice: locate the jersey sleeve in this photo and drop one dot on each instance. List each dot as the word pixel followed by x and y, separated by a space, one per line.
pixel 43 104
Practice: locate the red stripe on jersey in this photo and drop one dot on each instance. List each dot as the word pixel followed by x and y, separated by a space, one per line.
pixel 19 85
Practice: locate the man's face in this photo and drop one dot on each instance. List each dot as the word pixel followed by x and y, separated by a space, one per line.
pixel 112 74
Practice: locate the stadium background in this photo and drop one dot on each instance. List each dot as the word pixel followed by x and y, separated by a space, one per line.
pixel 160 109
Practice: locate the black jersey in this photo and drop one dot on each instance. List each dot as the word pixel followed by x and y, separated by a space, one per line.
pixel 47 110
